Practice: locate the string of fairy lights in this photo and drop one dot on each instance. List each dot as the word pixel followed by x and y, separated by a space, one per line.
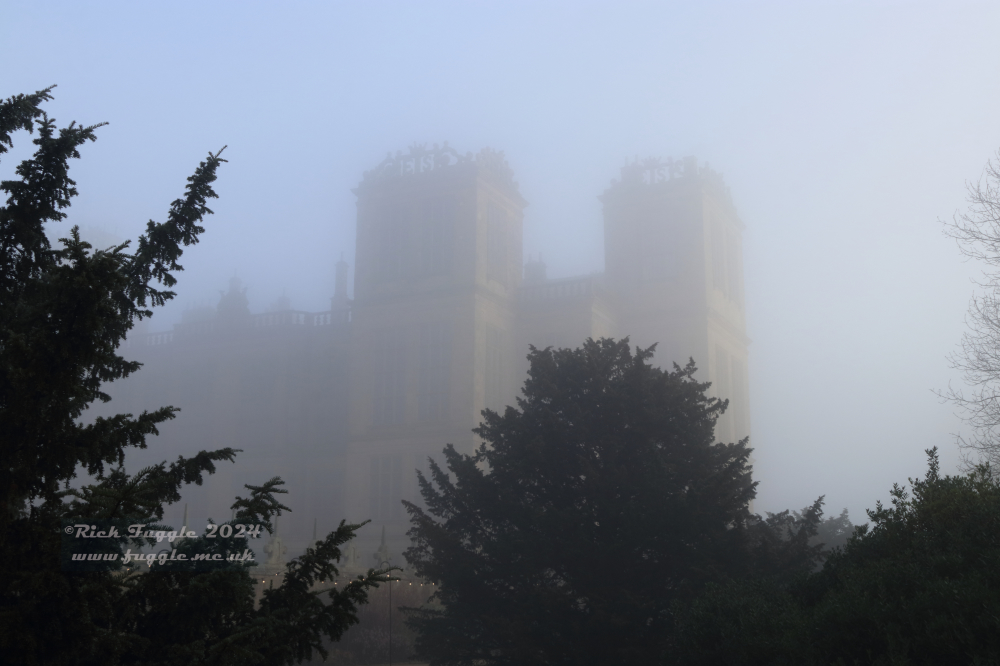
pixel 323 582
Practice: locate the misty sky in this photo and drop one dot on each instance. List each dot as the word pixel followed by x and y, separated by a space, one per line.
pixel 845 131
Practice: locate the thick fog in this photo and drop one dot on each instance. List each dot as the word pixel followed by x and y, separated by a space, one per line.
pixel 845 131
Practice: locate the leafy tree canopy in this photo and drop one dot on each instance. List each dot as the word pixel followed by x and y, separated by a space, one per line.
pixel 920 585
pixel 63 313
pixel 586 514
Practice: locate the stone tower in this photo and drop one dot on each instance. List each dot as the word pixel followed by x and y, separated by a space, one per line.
pixel 673 262
pixel 437 271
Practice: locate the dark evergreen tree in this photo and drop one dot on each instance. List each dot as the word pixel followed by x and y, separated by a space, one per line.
pixel 750 618
pixel 63 313
pixel 585 515
pixel 920 586
pixel 834 532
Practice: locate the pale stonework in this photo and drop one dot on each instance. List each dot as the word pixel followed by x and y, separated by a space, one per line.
pixel 345 405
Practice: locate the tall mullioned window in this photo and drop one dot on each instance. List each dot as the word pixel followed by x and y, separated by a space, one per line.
pixel 497 223
pixel 658 249
pixel 435 342
pixel 392 237
pixel 724 391
pixel 436 230
pixel 388 350
pixel 727 267
pixel 386 488
pixel 739 400
pixel 734 268
pixel 414 240
pixel 718 259
pixel 495 371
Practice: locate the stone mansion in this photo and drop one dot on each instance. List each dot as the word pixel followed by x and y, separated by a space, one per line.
pixel 345 405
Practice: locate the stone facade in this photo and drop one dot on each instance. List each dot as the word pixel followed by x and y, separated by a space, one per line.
pixel 345 405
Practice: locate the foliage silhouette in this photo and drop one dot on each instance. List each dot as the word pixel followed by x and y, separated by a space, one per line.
pixel 586 514
pixel 64 311
pixel 920 585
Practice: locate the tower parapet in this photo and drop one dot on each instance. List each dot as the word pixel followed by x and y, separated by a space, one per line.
pixel 421 159
pixel 655 171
